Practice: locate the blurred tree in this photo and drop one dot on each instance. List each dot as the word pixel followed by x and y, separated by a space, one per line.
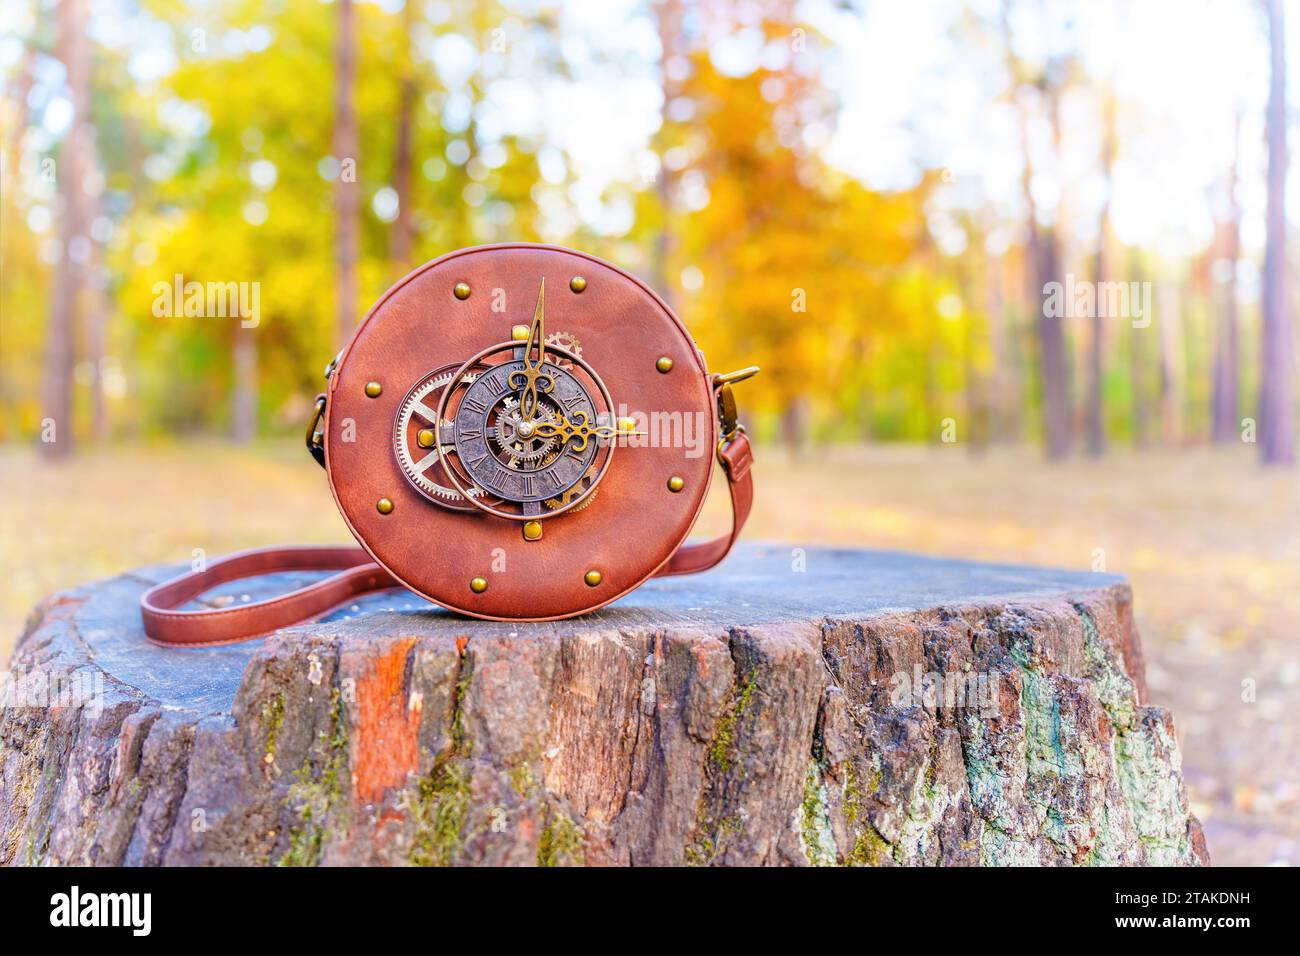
pixel 1139 378
pixel 402 225
pixel 1042 85
pixel 1225 411
pixel 1094 415
pixel 346 188
pixel 74 169
pixel 1169 341
pixel 674 67
pixel 1276 414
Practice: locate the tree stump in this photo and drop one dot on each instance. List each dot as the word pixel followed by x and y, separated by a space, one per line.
pixel 818 707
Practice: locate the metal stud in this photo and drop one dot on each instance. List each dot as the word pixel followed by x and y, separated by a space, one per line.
pixel 593 578
pixel 676 484
pixel 425 438
pixel 532 530
pixel 578 284
pixel 374 389
pixel 384 506
pixel 664 364
pixel 478 585
pixel 462 290
pixel 519 333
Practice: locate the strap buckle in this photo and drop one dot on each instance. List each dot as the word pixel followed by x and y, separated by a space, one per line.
pixel 728 423
pixel 316 432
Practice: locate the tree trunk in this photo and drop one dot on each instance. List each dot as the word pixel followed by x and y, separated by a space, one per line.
pixel 346 190
pixel 243 408
pixel 1054 363
pixel 668 21
pixel 403 227
pixel 996 380
pixel 1095 424
pixel 1141 406
pixel 1276 429
pixel 1054 350
pixel 74 241
pixel 1044 269
pixel 1225 412
pixel 97 336
pixel 932 713
pixel 1169 340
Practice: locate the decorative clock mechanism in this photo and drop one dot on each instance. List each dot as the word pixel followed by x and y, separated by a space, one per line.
pixel 523 430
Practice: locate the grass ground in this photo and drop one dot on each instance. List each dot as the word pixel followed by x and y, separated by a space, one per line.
pixel 1210 541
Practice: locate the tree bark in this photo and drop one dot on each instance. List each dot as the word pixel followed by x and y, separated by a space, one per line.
pixel 1276 427
pixel 1002 720
pixel 346 189
pixel 74 241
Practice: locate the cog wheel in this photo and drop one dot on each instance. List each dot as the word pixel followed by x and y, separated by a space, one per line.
pixel 517 447
pixel 424 472
pixel 584 483
pixel 567 341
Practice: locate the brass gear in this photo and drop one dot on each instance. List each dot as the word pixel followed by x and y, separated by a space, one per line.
pixel 511 444
pixel 416 472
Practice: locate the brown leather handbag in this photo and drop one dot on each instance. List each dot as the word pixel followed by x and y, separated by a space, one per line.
pixel 515 432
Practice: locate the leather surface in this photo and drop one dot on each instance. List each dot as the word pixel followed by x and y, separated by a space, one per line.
pixel 633 525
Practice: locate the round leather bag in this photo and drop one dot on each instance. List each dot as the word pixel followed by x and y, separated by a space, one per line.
pixel 520 432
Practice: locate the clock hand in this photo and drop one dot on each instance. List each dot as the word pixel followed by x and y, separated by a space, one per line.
pixel 532 375
pixel 582 430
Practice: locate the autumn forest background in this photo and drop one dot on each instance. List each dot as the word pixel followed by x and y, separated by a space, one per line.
pixel 870 200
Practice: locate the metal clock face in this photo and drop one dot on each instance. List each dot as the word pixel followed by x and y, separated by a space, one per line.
pixel 522 457
pixel 522 430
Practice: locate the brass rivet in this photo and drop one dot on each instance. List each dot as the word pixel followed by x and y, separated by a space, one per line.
pixel 461 290
pixel 519 333
pixel 664 364
pixel 676 484
pixel 374 389
pixel 578 284
pixel 532 530
pixel 425 438
pixel 592 577
pixel 384 506
pixel 478 585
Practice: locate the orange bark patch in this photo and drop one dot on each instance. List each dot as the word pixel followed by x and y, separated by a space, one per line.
pixel 385 740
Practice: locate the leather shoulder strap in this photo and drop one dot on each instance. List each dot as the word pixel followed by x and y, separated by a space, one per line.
pixel 357 574
pixel 736 457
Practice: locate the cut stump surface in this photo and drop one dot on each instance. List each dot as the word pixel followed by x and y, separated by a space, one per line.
pixel 789 707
